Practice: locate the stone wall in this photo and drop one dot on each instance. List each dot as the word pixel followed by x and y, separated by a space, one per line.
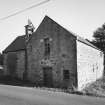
pixel 14 64
pixel 5 64
pixel 62 56
pixel 90 64
pixel 10 60
pixel 20 64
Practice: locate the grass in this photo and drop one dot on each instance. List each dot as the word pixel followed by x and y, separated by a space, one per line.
pixel 95 89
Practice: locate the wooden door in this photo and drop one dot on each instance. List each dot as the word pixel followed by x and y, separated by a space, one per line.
pixel 47 77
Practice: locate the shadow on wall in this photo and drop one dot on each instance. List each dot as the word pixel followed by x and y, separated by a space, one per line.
pixel 14 81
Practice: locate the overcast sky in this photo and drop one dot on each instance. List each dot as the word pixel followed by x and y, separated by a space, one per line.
pixel 82 17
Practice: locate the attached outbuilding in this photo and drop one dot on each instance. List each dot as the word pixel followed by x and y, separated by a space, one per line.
pixel 14 58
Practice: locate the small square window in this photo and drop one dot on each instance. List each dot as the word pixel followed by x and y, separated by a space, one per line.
pixel 66 74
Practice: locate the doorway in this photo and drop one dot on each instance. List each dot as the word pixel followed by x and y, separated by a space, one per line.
pixel 47 76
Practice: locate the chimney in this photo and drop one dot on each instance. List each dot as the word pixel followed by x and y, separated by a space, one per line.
pixel 26 32
pixel 29 29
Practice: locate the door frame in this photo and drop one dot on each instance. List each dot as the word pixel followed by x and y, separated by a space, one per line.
pixel 48 76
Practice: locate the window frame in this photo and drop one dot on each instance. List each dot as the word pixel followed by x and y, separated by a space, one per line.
pixel 47 47
pixel 66 75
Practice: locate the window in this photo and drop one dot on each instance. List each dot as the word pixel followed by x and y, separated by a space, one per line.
pixel 66 74
pixel 47 47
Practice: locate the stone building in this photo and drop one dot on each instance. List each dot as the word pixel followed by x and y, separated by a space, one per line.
pixel 54 57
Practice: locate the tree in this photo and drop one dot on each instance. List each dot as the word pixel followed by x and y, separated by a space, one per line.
pixel 99 38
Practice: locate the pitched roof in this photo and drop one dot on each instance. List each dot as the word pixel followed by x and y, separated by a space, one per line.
pixel 87 42
pixel 16 45
pixel 19 42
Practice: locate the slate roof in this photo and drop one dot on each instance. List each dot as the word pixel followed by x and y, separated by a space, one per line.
pixel 16 45
pixel 87 42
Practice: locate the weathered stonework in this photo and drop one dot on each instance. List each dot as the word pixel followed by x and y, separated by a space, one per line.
pixel 10 63
pixel 62 56
pixel 5 64
pixel 20 64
